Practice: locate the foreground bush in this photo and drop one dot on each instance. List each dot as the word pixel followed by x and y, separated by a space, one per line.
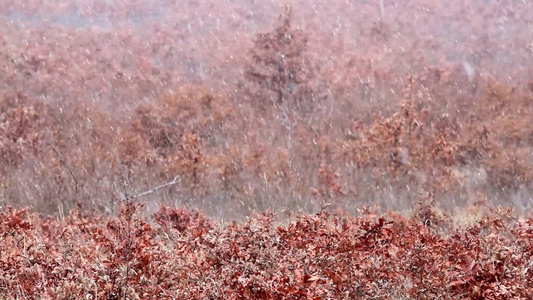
pixel 183 255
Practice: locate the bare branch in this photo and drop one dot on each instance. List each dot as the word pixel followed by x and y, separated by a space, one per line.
pixel 174 181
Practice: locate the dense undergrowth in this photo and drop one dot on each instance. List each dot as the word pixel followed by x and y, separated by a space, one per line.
pixel 178 254
pixel 294 128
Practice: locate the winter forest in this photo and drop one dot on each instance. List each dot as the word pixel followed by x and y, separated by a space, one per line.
pixel 244 149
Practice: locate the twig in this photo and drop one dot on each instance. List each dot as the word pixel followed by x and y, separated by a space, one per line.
pixel 64 162
pixel 174 181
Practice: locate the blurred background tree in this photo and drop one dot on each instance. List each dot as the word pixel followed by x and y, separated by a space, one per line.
pixel 278 70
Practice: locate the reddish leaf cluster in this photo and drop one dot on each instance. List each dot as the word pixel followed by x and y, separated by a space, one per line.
pixel 314 257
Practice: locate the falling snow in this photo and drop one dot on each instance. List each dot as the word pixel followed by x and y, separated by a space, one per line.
pixel 236 107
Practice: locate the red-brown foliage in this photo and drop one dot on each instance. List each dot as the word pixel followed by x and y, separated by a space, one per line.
pixel 314 257
pixel 419 106
pixel 189 103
